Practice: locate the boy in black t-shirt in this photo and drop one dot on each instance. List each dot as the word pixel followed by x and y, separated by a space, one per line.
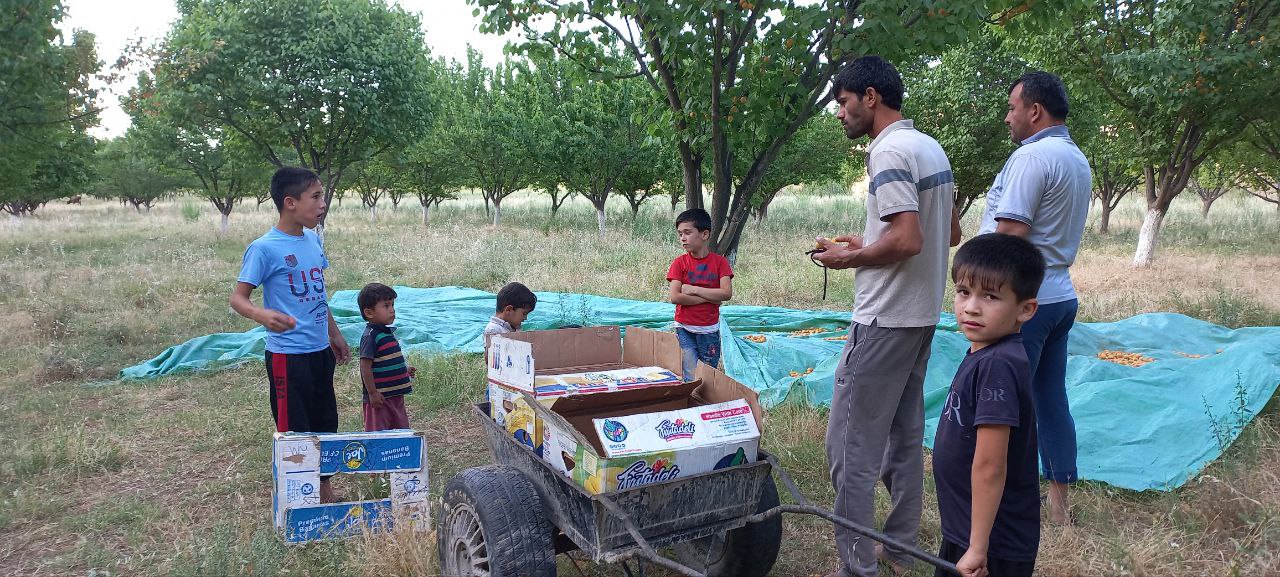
pixel 984 452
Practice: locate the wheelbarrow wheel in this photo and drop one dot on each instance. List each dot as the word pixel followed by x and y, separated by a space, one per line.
pixel 493 525
pixel 748 551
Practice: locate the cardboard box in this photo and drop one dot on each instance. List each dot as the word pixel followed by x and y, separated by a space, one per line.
pixel 620 440
pixel 336 520
pixel 299 459
pixel 566 362
pixel 372 452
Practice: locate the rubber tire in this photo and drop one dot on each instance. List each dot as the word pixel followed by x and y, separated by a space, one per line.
pixel 751 550
pixel 518 538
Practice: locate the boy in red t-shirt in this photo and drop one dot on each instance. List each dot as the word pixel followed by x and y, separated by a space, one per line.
pixel 699 281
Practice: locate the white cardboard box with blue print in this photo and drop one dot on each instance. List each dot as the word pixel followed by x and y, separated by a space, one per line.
pixel 554 364
pixel 299 459
pixel 620 440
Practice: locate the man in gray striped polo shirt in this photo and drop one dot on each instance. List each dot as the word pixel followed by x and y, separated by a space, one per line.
pixel 876 425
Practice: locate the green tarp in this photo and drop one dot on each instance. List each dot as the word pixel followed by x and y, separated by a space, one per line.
pixel 1148 427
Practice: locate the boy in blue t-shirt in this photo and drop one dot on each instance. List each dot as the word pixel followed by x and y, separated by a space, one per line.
pixel 303 341
pixel 984 452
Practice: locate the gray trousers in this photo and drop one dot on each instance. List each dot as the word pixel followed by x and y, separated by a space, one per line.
pixel 875 432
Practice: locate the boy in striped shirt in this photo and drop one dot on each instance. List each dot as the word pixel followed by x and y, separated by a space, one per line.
pixel 386 376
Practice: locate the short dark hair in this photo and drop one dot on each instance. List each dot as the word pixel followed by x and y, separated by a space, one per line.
pixel 698 217
pixel 516 295
pixel 870 72
pixel 290 181
pixel 1046 89
pixel 372 294
pixel 994 259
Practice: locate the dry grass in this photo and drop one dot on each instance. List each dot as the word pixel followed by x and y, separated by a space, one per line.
pixel 171 477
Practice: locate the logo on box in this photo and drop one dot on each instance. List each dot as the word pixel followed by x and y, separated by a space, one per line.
pixel 614 431
pixel 354 454
pixel 672 430
pixel 641 473
pixel 306 489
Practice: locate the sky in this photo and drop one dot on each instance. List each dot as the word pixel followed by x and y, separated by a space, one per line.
pixel 447 24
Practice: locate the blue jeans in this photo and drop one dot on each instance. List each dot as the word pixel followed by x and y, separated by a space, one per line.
pixel 1045 338
pixel 696 347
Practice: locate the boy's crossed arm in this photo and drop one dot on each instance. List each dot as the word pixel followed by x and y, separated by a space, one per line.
pixel 686 294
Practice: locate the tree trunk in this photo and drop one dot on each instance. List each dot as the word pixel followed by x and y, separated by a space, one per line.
pixel 1205 204
pixel 600 220
pixel 426 213
pixel 373 213
pixel 692 168
pixel 1146 251
pixel 497 211
pixel 1104 225
pixel 225 224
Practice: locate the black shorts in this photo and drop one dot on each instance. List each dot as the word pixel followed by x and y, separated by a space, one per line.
pixel 301 386
pixel 995 567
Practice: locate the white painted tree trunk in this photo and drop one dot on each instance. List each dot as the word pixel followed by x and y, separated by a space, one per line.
pixel 373 213
pixel 497 214
pixel 426 214
pixel 1146 251
pixel 225 224
pixel 600 220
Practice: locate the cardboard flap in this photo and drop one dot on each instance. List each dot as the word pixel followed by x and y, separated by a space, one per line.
pixel 510 361
pixel 644 347
pixel 718 387
pixel 578 347
pixel 575 404
pixel 550 418
pixel 573 414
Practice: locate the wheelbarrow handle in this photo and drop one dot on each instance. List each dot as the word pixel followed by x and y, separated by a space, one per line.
pixel 806 508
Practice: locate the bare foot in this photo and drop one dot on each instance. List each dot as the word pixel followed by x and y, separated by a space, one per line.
pixel 1059 508
pixel 894 566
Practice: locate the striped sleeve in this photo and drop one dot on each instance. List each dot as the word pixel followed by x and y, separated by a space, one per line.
pixel 893 184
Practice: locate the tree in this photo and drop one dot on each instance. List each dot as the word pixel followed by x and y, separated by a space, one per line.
pixel 1116 171
pixel 733 76
pixel 1261 161
pixel 226 168
pixel 492 132
pixel 328 84
pixel 816 154
pixel 1189 76
pixel 46 106
pixel 430 171
pixel 1215 178
pixel 375 178
pixel 592 131
pixel 960 99
pixel 641 180
pixel 128 173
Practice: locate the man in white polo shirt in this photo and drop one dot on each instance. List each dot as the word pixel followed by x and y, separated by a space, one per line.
pixel 1042 195
pixel 876 425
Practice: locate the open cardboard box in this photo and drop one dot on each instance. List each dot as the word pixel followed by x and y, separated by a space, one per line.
pixel 619 440
pixel 516 361
pixel 299 460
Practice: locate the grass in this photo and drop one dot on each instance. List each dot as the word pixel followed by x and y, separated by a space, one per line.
pixel 171 477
